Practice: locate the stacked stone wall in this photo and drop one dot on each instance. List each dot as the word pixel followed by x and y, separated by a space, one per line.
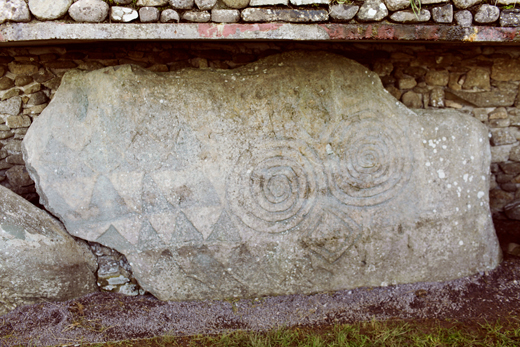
pixel 481 81
pixel 462 12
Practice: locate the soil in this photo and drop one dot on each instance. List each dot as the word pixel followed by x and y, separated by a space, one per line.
pixel 102 317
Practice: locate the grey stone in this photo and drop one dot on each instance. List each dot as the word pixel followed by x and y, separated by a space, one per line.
pixel 500 153
pixel 13 147
pixel 268 2
pixel 169 16
pixel 430 2
pixel 510 18
pixel 205 4
pixel 18 121
pixel 6 83
pixel 498 123
pixel 123 14
pixel 49 9
pixel 309 2
pixel 495 97
pixel 40 262
pixel 498 199
pixel 407 82
pixel 149 14
pixel 12 106
pixel 16 159
pixel 487 14
pixel 14 11
pixel 372 11
pixel 295 16
pixel 515 153
pixel 437 78
pixel 91 11
pixel 443 14
pixel 152 3
pixel 225 16
pixel 238 4
pixel 463 4
pixel 477 79
pixel 225 188
pixel 182 4
pixel 122 2
pixel 18 176
pixel 21 81
pixel 37 99
pixel 505 69
pixel 499 113
pixel 412 99
pixel 343 12
pixel 437 97
pixel 501 137
pixel 464 18
pixel 409 16
pixel 114 273
pixel 395 5
pixel 6 134
pixel 512 211
pixel 197 16
pixel 7 94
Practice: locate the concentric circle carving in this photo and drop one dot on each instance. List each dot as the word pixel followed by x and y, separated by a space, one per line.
pixel 372 160
pixel 274 186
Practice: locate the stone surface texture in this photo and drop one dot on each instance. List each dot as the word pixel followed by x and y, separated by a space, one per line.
pixel 169 16
pixel 225 16
pixel 49 9
pixel 510 18
pixel 205 4
pixel 152 3
pixel 182 4
pixel 93 11
pixel 14 10
pixel 238 4
pixel 487 14
pixel 295 16
pixel 443 14
pixel 343 12
pixel 149 14
pixel 268 2
pixel 123 14
pixel 283 184
pixel 372 11
pixel 409 16
pixel 464 18
pixel 197 16
pixel 464 4
pixel 396 5
pixel 39 261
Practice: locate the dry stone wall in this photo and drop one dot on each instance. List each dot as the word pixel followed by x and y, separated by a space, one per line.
pixel 461 12
pixel 480 81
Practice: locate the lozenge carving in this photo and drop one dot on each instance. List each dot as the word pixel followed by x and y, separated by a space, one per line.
pixel 295 174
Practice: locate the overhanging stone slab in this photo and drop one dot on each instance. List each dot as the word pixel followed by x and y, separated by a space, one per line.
pixel 295 174
pixel 55 32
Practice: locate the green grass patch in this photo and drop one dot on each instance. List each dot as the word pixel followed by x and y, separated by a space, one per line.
pixel 505 332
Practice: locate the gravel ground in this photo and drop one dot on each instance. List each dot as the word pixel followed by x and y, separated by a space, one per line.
pixel 101 317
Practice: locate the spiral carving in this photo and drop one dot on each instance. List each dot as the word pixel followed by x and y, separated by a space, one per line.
pixel 274 186
pixel 372 160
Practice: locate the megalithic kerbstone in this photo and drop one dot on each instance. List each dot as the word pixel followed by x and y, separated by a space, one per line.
pixel 295 174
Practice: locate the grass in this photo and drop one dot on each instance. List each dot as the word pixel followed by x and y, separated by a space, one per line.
pixel 445 333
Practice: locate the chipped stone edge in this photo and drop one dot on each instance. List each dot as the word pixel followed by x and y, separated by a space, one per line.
pixel 39 33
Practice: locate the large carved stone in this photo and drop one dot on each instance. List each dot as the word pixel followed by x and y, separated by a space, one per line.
pixel 295 174
pixel 39 261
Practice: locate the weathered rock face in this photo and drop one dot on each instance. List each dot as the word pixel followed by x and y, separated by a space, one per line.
pixel 39 261
pixel 295 174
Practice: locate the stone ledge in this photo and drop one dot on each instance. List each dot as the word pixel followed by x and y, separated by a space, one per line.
pixel 40 33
